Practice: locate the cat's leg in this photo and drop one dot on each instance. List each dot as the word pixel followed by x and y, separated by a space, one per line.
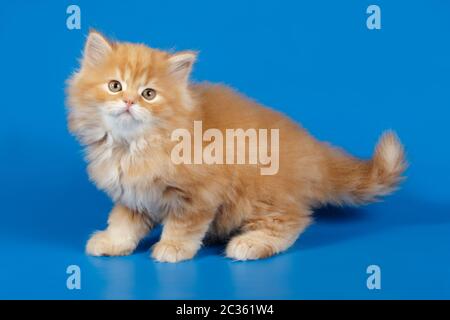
pixel 125 229
pixel 182 236
pixel 268 233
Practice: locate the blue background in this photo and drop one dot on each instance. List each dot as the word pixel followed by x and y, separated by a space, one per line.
pixel 317 62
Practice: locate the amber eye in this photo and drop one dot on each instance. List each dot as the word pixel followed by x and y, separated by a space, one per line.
pixel 149 94
pixel 114 86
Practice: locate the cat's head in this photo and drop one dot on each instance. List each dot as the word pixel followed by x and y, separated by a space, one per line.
pixel 127 89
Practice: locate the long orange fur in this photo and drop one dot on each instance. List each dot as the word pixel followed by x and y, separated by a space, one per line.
pixel 260 215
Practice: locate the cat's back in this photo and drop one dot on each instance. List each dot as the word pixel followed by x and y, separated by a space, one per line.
pixel 223 107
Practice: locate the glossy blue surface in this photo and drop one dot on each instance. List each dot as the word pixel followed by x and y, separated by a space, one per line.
pixel 317 62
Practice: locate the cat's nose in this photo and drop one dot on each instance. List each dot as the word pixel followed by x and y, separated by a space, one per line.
pixel 128 102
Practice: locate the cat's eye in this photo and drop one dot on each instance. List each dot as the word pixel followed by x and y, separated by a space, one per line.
pixel 149 94
pixel 114 86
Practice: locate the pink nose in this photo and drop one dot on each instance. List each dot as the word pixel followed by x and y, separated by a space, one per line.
pixel 129 103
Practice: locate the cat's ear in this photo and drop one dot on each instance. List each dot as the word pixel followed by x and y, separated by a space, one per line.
pixel 180 64
pixel 96 49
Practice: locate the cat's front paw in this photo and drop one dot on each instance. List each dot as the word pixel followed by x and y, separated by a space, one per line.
pixel 248 248
pixel 172 251
pixel 102 243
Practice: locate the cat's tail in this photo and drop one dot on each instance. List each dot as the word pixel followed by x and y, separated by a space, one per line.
pixel 355 181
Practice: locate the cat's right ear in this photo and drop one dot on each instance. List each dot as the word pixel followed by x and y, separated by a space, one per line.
pixel 96 49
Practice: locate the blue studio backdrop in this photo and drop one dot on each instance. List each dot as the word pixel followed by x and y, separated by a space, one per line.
pixel 317 62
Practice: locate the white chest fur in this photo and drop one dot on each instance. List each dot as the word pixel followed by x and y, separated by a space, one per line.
pixel 131 175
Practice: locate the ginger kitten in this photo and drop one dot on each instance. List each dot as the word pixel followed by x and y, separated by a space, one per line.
pixel 124 104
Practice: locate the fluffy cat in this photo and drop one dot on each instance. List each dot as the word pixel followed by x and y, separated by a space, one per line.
pixel 124 103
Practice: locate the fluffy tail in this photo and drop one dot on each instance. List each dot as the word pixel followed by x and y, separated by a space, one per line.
pixel 355 181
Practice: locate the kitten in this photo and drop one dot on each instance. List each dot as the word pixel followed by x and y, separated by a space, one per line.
pixel 124 104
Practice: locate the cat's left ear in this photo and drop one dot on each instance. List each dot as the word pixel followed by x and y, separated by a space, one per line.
pixel 96 50
pixel 180 64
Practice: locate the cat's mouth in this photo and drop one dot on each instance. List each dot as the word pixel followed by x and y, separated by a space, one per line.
pixel 126 112
pixel 122 118
pixel 125 115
